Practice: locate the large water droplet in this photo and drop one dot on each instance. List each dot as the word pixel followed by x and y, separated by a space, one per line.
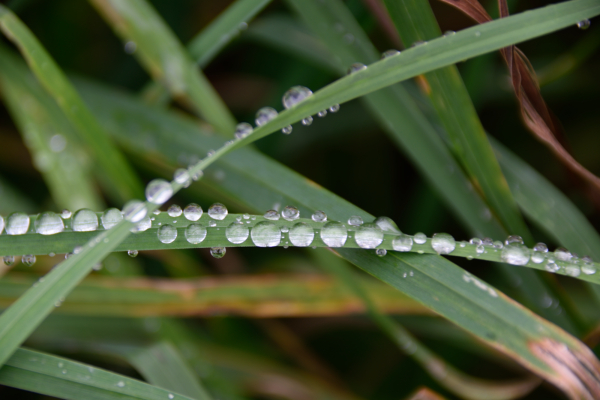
pixel 242 130
pixel 158 191
pixel 132 253
pixel 443 243
pixel 355 220
pixel 420 238
pixel 217 211
pixel 134 211
pixel 49 223
pixel 111 217
pixel 290 213
pixel 192 212
pixel 301 234
pixel 182 176
pixel 319 216
pixel 142 226
pixel 334 234
pixel 295 95
pixel 237 232
pixel 174 211
pixel 272 215
pixel 9 260
pixel 264 115
pixel 584 24
pixel 515 253
pixel 17 223
pixel 387 225
pixel 389 53
pixel 195 233
pixel 28 259
pixel 356 67
pixel 265 234
pixel 402 243
pixel 368 236
pixel 167 234
pixel 563 254
pixel 85 220
pixel 514 239
pixel 218 252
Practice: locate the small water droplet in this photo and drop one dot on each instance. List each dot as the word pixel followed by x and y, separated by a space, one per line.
pixel 265 115
pixel 48 223
pixel 212 224
pixel 389 53
pixel 272 215
pixel 334 234
pixel 130 47
pixel 584 24
pixel 158 191
pixel 334 108
pixel 322 114
pixel 58 143
pixel 195 175
pixel 572 270
pixel 515 253
pixel 476 241
pixel 307 121
pixel 132 253
pixel 290 213
pixel 237 232
pixel 449 33
pixel 402 243
pixel 487 242
pixel 174 211
pixel 121 384
pixel 242 130
pixel 9 260
pixel 387 225
pixel 418 43
pixel 498 244
pixel 563 254
pixel 477 33
pixel 356 67
pixel 513 239
pixel 295 95
pixel 368 236
pixel 182 176
pixel 287 129
pixel 17 223
pixel 420 238
pixel 143 225
pixel 192 212
pixel 195 233
pixel 588 267
pixel 218 252
pixel 28 259
pixel 319 216
pixel 171 396
pixel 65 214
pixel 479 249
pixel 85 220
pixel 134 211
pixel 355 220
pixel 301 234
pixel 443 243
pixel 217 211
pixel 265 234
pixel 381 252
pixel 167 234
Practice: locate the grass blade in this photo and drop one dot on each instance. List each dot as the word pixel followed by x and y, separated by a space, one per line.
pixel 123 181
pixel 165 58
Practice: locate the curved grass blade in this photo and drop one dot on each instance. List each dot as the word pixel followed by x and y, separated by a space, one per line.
pixel 58 157
pixel 123 181
pixel 60 377
pixel 205 46
pixel 165 58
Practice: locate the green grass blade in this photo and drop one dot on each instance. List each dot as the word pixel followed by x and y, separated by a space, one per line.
pixel 66 172
pixel 60 377
pixel 162 365
pixel 165 58
pixel 123 182
pixel 415 22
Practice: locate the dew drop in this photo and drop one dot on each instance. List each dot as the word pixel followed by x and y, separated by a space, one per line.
pixel 212 224
pixel 381 252
pixel 9 260
pixel 167 234
pixel 563 254
pixel 402 243
pixel 134 211
pixel 121 384
pixel 587 268
pixel 290 213
pixel 334 234
pixel 356 67
pixel 479 249
pixel 515 253
pixel 272 215
pixel 443 243
pixel 217 211
pixel 319 216
pixel 295 95
pixel 85 220
pixel 475 241
pixel 287 129
pixel 322 113
pixel 237 232
pixel 65 214
pixel 28 259
pixel 285 229
pixel 420 238
pixel 368 236
pixel 418 43
pixel 171 396
pixel 583 25
pixel 513 239
pixel 487 242
pixel 389 53
pixel 334 108
pixel 572 270
pixel 174 211
pixel 218 252
pixel 182 176
pixel 143 225
pixel 130 47
pixel 132 253
pixel 158 191
pixel 449 33
pixel 307 121
pixel 195 175
pixel 301 234
pixel 355 220
pixel 195 233
pixel 111 217
pixel 387 225
pixel 265 234
pixel 265 115
pixel 17 223
pixel 242 130
pixel 48 223
pixel 192 212
pixel 498 244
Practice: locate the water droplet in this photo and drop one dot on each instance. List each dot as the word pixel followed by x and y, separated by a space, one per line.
pixel 389 53
pixel 264 115
pixel 334 234
pixel 212 224
pixel 167 234
pixel 356 67
pixel 551 266
pixel 217 211
pixel 368 236
pixel 143 225
pixel 449 33
pixel 85 220
pixel 285 229
pixel 513 239
pixel 584 24
pixel 319 216
pixel 290 213
pixel 58 143
pixel 563 254
pixel 17 223
pixel 487 242
pixel 420 238
pixel 479 249
pixel 210 153
pixel 156 212
pixel 355 220
pixel 572 270
pixel 265 234
pixel 237 232
pixel 9 260
pixel 121 384
pixel 287 129
pixel 48 223
pixel 134 211
pixel 28 259
pixel 195 233
pixel 498 244
pixel 132 253
pixel 242 130
pixel 174 211
pixel 195 175
pixel 587 268
pixel 65 214
pixel 246 216
pixel 192 212
pixel 334 108
pixel 515 253
pixel 301 234
pixel 402 243
pixel 272 215
pixel 418 43
pixel 477 33
pixel 381 252
pixel 295 95
pixel 182 176
pixel 307 121
pixel 171 396
pixel 130 47
pixel 387 225
pixel 475 241
pixel 218 252
pixel 443 243
pixel 111 217
pixel 322 113
pixel 158 191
